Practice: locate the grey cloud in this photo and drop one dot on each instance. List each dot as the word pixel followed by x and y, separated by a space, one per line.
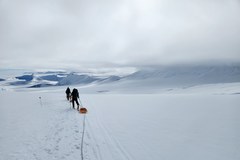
pixel 51 33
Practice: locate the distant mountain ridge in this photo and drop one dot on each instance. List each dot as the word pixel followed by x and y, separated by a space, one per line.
pixel 145 76
pixel 188 75
pixel 77 79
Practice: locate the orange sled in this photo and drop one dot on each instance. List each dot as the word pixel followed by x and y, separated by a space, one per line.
pixel 83 110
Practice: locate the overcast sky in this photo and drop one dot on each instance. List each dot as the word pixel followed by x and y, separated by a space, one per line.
pixel 77 33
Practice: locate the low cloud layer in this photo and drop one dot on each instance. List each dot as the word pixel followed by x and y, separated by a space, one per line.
pixel 75 33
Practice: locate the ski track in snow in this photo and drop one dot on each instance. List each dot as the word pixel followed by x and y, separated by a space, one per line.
pixel 51 130
pixel 62 139
pixel 107 141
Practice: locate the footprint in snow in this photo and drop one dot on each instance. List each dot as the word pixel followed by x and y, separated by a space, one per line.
pixel 77 147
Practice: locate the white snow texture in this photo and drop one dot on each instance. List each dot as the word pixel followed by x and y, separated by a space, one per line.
pixel 199 121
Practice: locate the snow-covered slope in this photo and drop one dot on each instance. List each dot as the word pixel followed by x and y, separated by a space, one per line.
pixel 51 77
pixel 39 124
pixel 181 75
pixel 72 79
pixel 25 77
pixel 145 79
pixel 158 80
pixel 191 113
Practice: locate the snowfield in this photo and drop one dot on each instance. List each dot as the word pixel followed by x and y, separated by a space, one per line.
pixel 195 123
pixel 176 113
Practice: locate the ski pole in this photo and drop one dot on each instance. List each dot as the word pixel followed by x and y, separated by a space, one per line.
pixel 80 102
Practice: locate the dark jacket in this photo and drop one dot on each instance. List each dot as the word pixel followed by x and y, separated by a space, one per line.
pixel 68 91
pixel 75 93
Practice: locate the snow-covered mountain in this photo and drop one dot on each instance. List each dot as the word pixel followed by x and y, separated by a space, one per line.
pixel 77 79
pixel 25 77
pixel 191 75
pixel 173 122
pixel 155 76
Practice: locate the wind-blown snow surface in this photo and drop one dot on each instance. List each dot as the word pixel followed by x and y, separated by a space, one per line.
pixel 183 125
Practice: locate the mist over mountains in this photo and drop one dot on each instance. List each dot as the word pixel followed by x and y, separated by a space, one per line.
pixel 189 74
pixel 153 76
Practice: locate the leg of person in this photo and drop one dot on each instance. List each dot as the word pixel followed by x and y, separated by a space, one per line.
pixel 77 104
pixel 73 103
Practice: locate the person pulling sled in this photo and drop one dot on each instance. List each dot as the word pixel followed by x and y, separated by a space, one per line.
pixel 75 96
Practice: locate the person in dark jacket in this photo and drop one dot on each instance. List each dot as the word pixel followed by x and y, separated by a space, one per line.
pixel 75 96
pixel 68 93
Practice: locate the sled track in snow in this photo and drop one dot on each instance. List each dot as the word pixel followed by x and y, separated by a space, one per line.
pixel 62 138
pixel 92 139
pixel 105 141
